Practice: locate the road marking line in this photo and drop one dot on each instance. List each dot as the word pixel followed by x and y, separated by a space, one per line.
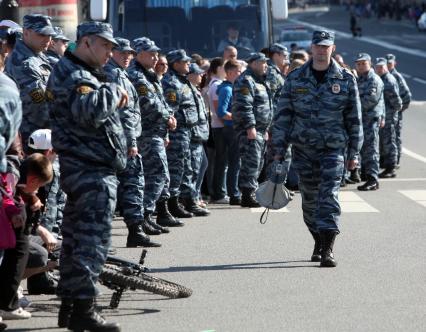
pixel 406 75
pixel 403 180
pixel 417 103
pixel 261 209
pixel 419 80
pixel 418 196
pixel 353 203
pixel 414 155
pixel 370 40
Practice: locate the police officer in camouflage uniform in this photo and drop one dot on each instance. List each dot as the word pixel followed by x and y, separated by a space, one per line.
pixel 157 120
pixel 131 180
pixel 320 114
pixel 88 136
pixel 199 135
pixel 180 98
pixel 252 110
pixel 57 46
pixel 30 69
pixel 393 105
pixel 373 110
pixel 405 94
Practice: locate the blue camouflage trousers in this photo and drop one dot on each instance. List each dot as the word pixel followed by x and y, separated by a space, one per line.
pixel 189 184
pixel 370 156
pixel 179 159
pixel 156 169
pixel 398 132
pixel 251 154
pixel 86 227
pixel 55 202
pixel 388 147
pixel 131 190
pixel 320 173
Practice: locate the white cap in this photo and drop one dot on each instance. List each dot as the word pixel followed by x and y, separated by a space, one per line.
pixel 41 140
pixel 10 24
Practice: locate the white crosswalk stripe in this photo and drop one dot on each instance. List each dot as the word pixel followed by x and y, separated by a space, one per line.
pixel 261 209
pixel 419 196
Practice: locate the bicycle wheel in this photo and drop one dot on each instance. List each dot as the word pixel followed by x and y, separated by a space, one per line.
pixel 113 275
pixel 182 290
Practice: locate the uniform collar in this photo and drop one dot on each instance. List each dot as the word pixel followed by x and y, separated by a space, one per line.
pixel 149 74
pixel 98 73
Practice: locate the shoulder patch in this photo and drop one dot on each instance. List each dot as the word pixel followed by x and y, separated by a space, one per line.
pixel 49 95
pixel 142 90
pixel 171 96
pixel 84 89
pixel 37 96
pixel 245 91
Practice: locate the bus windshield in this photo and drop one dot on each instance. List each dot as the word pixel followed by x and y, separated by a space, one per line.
pixel 200 26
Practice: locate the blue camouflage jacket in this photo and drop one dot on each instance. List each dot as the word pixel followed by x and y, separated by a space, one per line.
pixel 404 90
pixel 31 72
pixel 251 103
pixel 275 81
pixel 155 112
pixel 393 102
pixel 321 116
pixel 177 91
pixel 200 132
pixel 52 57
pixel 130 115
pixel 84 114
pixel 370 88
pixel 10 117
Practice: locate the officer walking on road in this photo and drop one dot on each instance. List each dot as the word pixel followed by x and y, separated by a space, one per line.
pixel 30 69
pixel 131 180
pixel 393 105
pixel 157 120
pixel 405 94
pixel 320 114
pixel 373 111
pixel 252 114
pixel 88 135
pixel 57 46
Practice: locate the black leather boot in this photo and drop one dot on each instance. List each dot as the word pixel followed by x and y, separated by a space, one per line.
pixel 147 227
pixel 355 177
pixel 191 206
pixel 371 184
pixel 327 243
pixel 64 313
pixel 388 173
pixel 247 198
pixel 156 226
pixel 85 318
pixel 316 254
pixel 137 238
pixel 176 210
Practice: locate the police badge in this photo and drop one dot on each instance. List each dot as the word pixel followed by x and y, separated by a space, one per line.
pixel 335 88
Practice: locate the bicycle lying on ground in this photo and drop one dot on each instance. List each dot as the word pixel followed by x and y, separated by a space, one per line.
pixel 121 275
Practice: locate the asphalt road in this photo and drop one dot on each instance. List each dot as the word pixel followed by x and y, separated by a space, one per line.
pixel 252 277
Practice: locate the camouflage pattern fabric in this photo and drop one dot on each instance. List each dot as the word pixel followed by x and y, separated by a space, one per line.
pixel 373 110
pixel 320 120
pixel 155 112
pixel 10 117
pixel 393 105
pixel 31 72
pixel 89 138
pixel 251 108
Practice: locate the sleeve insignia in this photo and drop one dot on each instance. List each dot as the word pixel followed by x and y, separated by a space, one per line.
pixel 49 95
pixel 171 96
pixel 84 89
pixel 37 96
pixel 143 90
pixel 301 91
pixel 245 91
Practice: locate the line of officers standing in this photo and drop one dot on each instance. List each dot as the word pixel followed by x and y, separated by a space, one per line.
pixel 118 129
